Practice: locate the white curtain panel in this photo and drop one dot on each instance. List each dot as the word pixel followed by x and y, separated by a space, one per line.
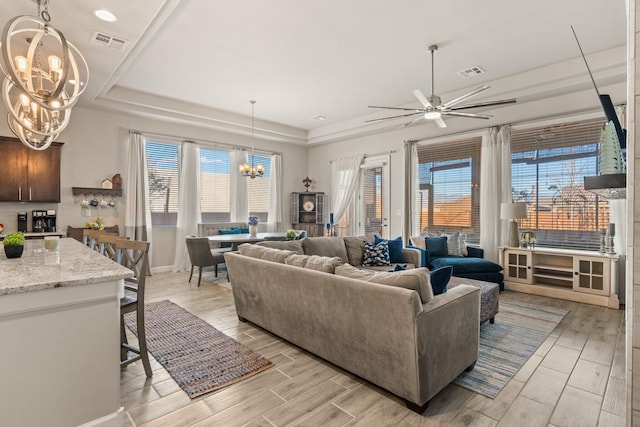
pixel 188 204
pixel 239 187
pixel 495 188
pixel 410 181
pixel 345 180
pixel 274 220
pixel 137 218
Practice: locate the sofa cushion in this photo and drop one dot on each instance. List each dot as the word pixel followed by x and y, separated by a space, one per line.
pixel 395 248
pixel 464 265
pixel 289 245
pixel 297 260
pixel 323 263
pixel 436 246
pixel 325 246
pixel 416 279
pixel 376 254
pixel 418 242
pixel 440 278
pixel 261 252
pixel 355 247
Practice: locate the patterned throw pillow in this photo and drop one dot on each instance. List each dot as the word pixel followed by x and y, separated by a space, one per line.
pixel 453 243
pixel 376 254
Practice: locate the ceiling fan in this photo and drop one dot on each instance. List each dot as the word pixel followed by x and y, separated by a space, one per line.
pixel 434 109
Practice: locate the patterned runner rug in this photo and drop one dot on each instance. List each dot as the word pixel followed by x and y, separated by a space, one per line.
pixel 198 356
pixel 506 345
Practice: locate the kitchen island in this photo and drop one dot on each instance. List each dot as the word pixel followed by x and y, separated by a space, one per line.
pixel 60 334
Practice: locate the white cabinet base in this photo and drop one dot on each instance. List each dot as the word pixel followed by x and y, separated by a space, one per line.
pixel 574 275
pixel 566 294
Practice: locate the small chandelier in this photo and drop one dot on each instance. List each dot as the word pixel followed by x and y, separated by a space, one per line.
pixel 39 99
pixel 252 170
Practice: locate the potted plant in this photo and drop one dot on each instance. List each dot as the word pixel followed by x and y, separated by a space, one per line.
pixel 13 244
pixel 290 234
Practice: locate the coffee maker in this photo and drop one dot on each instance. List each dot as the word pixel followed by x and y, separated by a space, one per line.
pixel 22 222
pixel 43 221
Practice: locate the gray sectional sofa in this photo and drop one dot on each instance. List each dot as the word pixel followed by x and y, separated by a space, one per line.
pixel 404 340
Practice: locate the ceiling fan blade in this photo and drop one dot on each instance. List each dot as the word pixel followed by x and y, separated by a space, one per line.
pixel 440 122
pixel 470 115
pixel 465 96
pixel 417 119
pixel 393 117
pixel 484 104
pixel 423 99
pixel 396 108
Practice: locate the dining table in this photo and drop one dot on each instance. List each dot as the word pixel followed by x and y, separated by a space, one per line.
pixel 237 239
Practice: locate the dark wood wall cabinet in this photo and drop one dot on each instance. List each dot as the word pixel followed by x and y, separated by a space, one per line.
pixel 308 212
pixel 29 175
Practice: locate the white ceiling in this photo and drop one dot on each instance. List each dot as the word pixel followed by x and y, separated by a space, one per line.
pixel 299 59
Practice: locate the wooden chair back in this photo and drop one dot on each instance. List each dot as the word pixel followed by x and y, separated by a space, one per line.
pixel 90 236
pixel 107 245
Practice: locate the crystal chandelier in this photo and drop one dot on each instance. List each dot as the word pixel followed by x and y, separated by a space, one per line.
pixel 39 98
pixel 252 170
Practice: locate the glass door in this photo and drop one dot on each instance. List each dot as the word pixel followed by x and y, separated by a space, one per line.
pixel 374 197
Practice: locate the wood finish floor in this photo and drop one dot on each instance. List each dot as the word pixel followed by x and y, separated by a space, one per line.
pixel 576 378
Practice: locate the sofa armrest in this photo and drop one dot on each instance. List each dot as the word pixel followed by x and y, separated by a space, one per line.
pixel 412 256
pixel 424 255
pixel 449 336
pixel 475 252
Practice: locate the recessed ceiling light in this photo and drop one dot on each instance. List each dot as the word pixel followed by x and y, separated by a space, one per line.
pixel 319 117
pixel 105 15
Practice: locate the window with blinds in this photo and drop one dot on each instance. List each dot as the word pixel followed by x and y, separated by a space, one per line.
pixel 163 169
pixel 548 168
pixel 448 197
pixel 260 189
pixel 215 185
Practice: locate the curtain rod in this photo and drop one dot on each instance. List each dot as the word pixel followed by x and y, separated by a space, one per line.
pixel 364 156
pixel 203 141
pixel 523 122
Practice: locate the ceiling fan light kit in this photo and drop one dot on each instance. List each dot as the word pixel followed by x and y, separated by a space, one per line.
pixel 434 109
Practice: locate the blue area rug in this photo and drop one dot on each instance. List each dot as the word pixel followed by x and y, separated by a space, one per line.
pixel 506 345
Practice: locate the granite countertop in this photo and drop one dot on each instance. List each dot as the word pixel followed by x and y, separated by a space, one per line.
pixel 72 265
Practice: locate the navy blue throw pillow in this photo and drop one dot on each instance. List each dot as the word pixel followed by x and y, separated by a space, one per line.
pixel 395 248
pixel 440 279
pixel 436 246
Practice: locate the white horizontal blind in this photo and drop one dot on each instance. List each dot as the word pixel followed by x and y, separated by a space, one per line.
pixel 163 169
pixel 372 195
pixel 260 188
pixel 548 168
pixel 448 182
pixel 215 185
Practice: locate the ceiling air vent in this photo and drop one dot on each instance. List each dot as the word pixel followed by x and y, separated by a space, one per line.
pixel 106 40
pixel 471 71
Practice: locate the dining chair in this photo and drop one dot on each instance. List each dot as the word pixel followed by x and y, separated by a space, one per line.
pixel 275 238
pixel 90 236
pixel 107 245
pixel 135 255
pixel 201 255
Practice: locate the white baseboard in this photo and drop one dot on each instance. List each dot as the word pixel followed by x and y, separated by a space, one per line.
pixel 162 269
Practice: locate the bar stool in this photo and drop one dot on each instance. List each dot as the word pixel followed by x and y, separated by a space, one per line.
pixel 134 255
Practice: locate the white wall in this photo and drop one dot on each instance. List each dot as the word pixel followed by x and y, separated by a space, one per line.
pixel 96 147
